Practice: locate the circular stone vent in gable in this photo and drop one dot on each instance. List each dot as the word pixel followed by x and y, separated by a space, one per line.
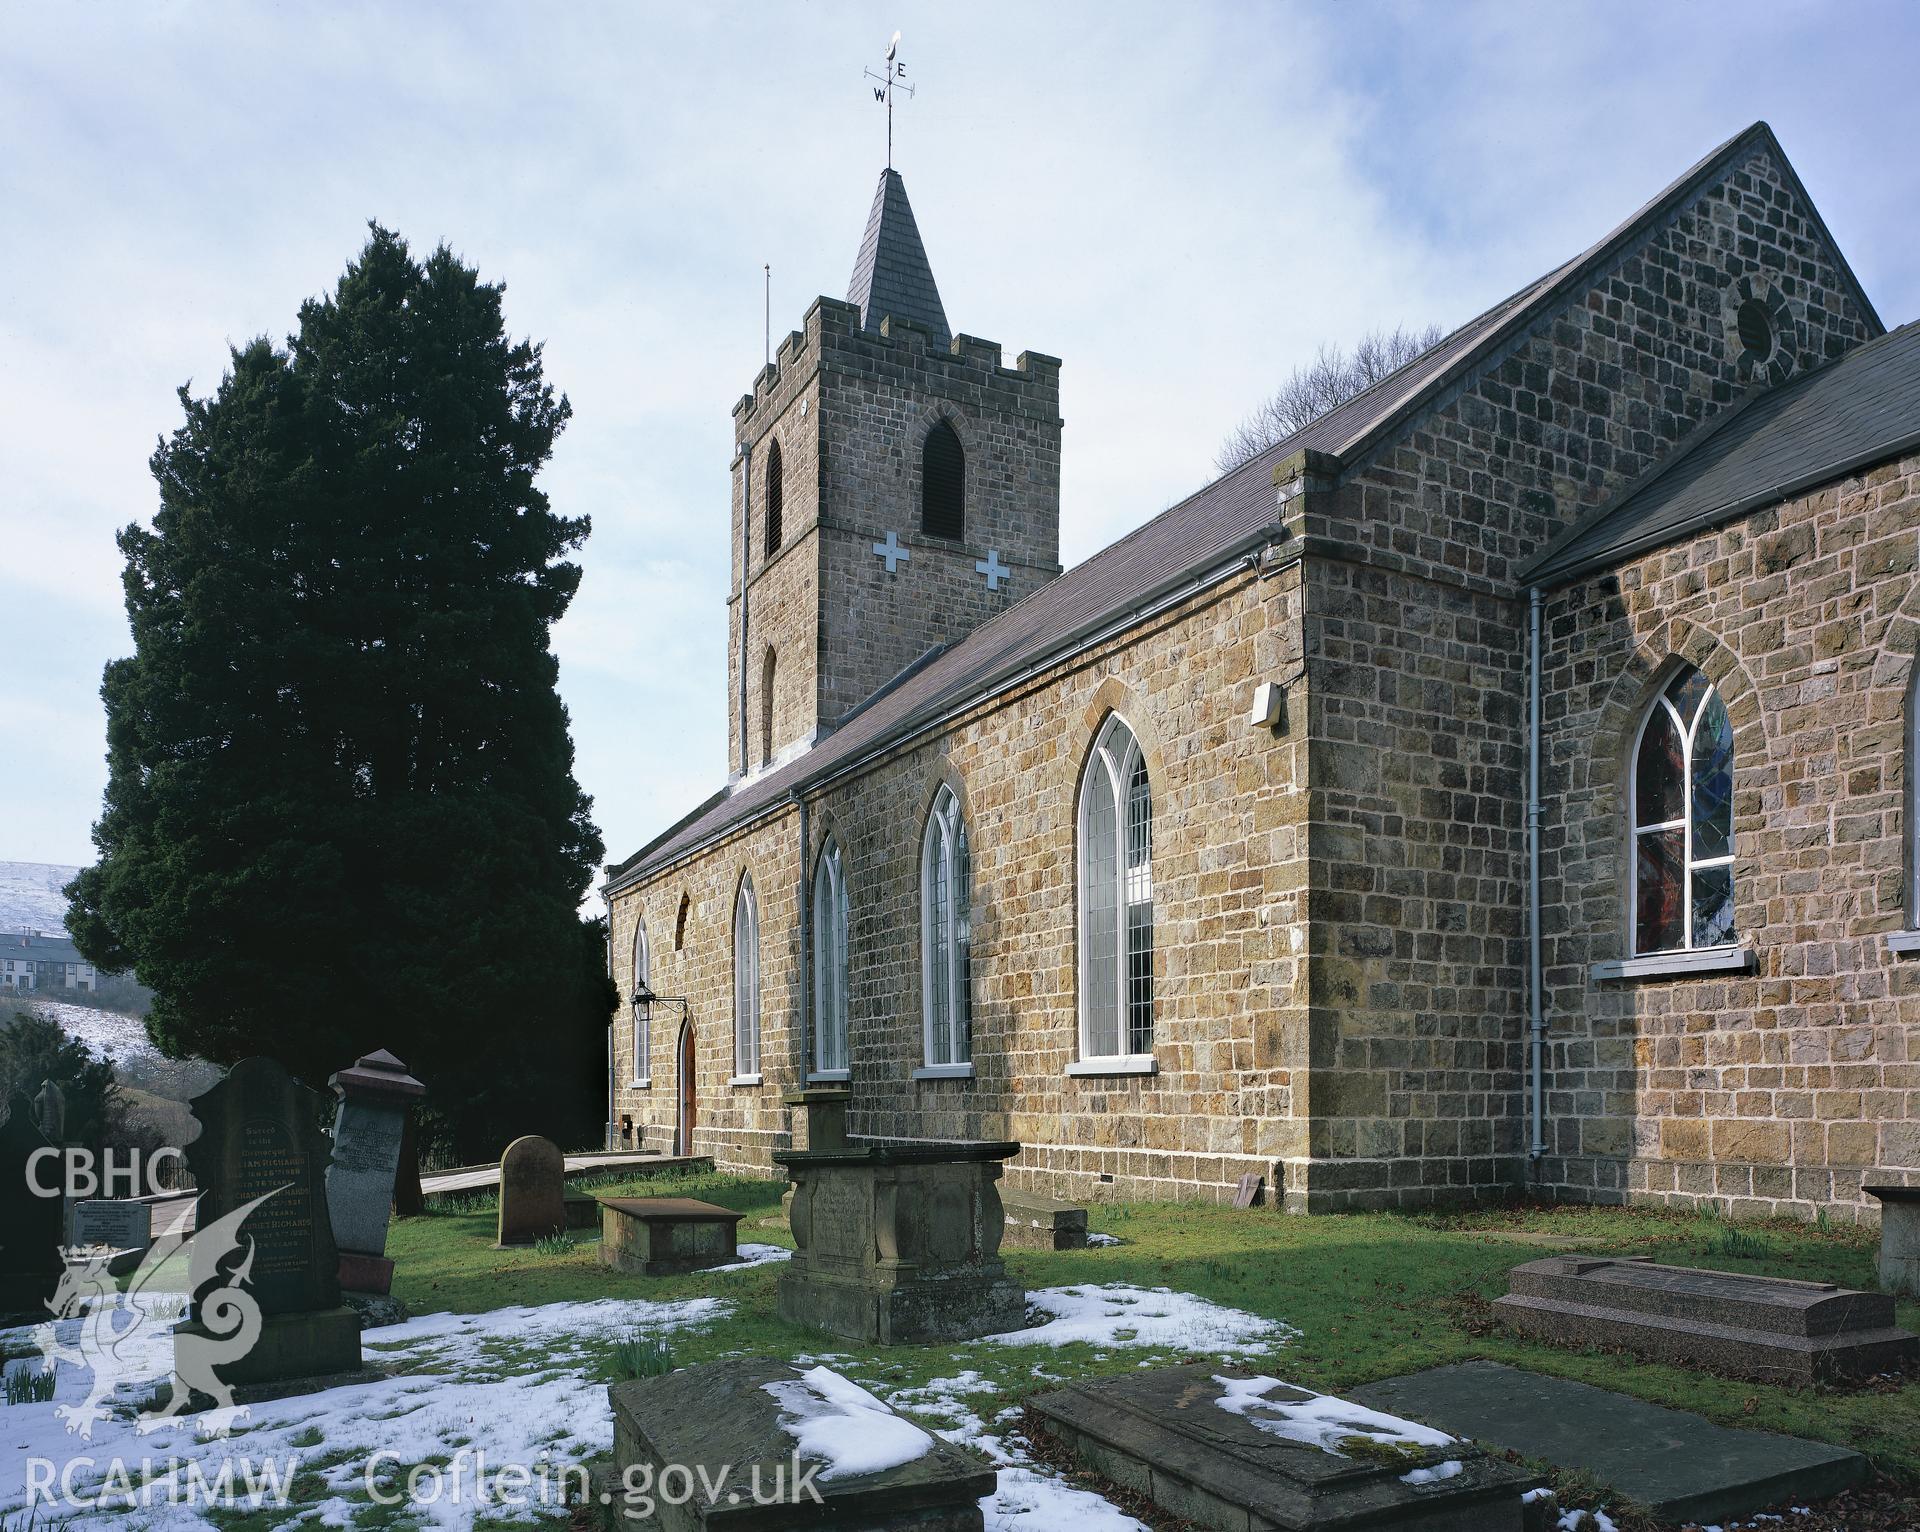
pixel 1762 335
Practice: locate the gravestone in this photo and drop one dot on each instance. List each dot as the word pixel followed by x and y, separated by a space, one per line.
pixel 375 1097
pixel 659 1236
pixel 896 1242
pixel 30 1223
pixel 1251 1191
pixel 1227 1451
pixel 116 1223
pixel 1035 1222
pixel 723 1428
pixel 1899 1238
pixel 1767 1328
pixel 50 1111
pixel 533 1192
pixel 260 1137
pixel 1680 1466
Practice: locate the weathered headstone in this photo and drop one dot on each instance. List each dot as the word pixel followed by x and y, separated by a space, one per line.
pixel 117 1223
pixel 260 1136
pixel 30 1222
pixel 533 1192
pixel 896 1242
pixel 1232 1452
pixel 1035 1222
pixel 50 1111
pixel 659 1236
pixel 749 1429
pixel 1768 1328
pixel 1680 1466
pixel 375 1096
pixel 1251 1191
pixel 1899 1238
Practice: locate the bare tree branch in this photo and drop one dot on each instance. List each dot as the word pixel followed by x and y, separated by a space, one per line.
pixel 1331 378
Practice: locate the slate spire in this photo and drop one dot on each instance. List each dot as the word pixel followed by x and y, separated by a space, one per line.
pixel 891 275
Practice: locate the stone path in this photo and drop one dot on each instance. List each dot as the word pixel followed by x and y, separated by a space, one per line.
pixel 1682 1466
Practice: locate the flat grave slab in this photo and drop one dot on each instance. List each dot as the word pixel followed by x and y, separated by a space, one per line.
pixel 1680 1465
pixel 1035 1222
pixel 738 1430
pixel 659 1236
pixel 1239 1453
pixel 1767 1328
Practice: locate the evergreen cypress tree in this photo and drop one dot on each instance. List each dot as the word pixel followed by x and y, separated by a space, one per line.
pixel 341 811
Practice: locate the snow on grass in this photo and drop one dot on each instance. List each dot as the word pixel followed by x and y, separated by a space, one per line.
pixel 100 1032
pixel 518 1384
pixel 844 1426
pixel 1320 1420
pixel 1117 1314
pixel 755 1255
pixel 1099 1240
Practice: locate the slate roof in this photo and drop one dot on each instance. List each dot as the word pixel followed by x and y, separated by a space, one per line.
pixel 1859 410
pixel 891 274
pixel 1232 515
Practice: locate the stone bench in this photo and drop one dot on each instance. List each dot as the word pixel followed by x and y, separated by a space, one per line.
pixel 659 1236
pixel 1035 1222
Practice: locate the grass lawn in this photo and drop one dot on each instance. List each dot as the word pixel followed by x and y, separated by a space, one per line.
pixel 1373 1295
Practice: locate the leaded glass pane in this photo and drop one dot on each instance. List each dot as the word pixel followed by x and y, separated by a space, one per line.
pixel 1659 874
pixel 1712 906
pixel 1685 691
pixel 1713 783
pixel 746 985
pixel 1139 912
pixel 962 945
pixel 1659 779
pixel 1100 894
pixel 940 985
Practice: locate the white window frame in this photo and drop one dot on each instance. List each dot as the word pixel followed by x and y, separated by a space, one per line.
pixel 1688 862
pixel 829 1058
pixel 946 941
pixel 642 972
pixel 746 986
pixel 1115 754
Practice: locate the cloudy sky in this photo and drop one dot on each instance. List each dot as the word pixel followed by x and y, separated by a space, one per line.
pixel 1181 200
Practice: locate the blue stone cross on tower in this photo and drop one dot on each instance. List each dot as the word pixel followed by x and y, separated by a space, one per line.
pixel 892 552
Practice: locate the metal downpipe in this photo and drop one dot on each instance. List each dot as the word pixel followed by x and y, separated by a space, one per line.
pixel 1536 998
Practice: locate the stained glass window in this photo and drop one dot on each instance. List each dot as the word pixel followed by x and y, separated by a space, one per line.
pixel 1116 899
pixel 829 964
pixel 946 934
pixel 1683 820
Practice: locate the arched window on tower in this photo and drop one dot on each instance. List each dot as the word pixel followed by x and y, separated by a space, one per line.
pixel 946 936
pixel 776 497
pixel 1116 899
pixel 943 483
pixel 1683 820
pixel 767 669
pixel 830 966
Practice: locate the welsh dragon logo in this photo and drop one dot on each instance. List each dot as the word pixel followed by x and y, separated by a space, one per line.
pixel 117 1333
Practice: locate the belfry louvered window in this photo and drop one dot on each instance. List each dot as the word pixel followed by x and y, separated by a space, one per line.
pixel 943 483
pixel 1683 820
pixel 776 498
pixel 1116 899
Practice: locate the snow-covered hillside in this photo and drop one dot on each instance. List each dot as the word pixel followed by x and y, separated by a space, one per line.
pixel 30 897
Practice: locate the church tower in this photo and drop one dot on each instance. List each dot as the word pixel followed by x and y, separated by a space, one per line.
pixel 894 486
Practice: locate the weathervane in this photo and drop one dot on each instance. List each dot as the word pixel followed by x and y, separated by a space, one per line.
pixel 883 92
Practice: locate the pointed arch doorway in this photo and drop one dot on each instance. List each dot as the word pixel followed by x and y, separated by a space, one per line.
pixel 683 1086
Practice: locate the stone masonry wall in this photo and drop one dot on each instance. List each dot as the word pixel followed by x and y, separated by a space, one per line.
pixel 1772 1091
pixel 1228 865
pixel 1416 624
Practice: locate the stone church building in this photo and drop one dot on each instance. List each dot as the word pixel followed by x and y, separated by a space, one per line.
pixel 1501 784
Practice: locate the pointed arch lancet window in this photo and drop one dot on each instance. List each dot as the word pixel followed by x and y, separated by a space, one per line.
pixel 829 965
pixel 1116 899
pixel 943 483
pixel 769 668
pixel 946 935
pixel 1683 820
pixel 776 498
pixel 642 1011
pixel 746 983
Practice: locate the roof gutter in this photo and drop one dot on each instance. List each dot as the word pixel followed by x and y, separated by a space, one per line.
pixel 1239 555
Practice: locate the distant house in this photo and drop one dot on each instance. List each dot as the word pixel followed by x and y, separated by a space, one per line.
pixel 35 960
